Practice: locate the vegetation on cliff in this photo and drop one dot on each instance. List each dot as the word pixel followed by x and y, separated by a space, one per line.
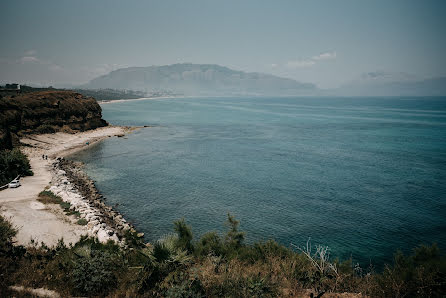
pixel 105 94
pixel 12 163
pixel 40 112
pixel 213 266
pixel 46 112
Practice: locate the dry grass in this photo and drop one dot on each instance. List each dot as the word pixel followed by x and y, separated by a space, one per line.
pixel 47 197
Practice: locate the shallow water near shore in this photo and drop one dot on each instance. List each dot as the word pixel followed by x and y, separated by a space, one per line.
pixel 364 176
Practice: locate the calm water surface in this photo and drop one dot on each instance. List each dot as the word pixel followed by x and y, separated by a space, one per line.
pixel 364 176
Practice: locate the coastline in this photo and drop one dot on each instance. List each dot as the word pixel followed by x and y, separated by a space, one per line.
pixel 37 222
pixel 101 102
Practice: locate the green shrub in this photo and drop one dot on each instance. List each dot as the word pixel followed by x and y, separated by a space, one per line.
pixel 210 244
pixel 181 284
pixel 13 163
pixel 82 222
pixel 184 233
pixel 45 128
pixel 48 197
pixel 9 254
pixel 234 238
pixel 261 251
pixel 94 275
pixel 75 213
pixel 217 267
pixel 7 232
pixel 132 239
pixel 423 274
pixel 65 206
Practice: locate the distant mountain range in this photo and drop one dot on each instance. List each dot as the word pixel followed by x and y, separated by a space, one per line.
pixel 214 80
pixel 199 79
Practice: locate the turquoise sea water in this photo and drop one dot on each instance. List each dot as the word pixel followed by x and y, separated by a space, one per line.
pixel 364 176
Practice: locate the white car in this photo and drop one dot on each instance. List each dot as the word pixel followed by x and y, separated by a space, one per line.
pixel 14 184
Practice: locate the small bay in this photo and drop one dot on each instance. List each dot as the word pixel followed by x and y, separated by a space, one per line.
pixel 364 176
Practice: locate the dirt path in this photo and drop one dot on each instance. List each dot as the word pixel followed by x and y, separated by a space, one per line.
pixel 34 220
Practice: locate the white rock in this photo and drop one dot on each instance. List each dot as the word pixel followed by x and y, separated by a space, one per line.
pixel 103 236
pixel 115 238
pixel 95 229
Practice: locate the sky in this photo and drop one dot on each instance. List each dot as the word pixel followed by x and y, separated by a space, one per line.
pixel 328 43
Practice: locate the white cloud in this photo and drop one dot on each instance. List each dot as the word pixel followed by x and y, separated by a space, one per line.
pixel 55 67
pixel 310 61
pixel 30 53
pixel 300 63
pixel 324 56
pixel 37 70
pixel 34 60
pixel 27 59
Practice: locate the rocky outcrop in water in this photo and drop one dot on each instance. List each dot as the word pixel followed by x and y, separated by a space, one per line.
pixel 46 112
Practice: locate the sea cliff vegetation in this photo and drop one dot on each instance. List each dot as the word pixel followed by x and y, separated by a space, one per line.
pixel 46 112
pixel 13 163
pixel 213 266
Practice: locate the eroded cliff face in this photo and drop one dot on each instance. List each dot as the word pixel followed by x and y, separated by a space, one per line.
pixel 46 112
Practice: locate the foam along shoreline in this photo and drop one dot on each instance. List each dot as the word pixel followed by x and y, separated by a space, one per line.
pixel 47 222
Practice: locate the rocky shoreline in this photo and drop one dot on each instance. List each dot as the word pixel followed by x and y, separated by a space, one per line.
pixel 71 183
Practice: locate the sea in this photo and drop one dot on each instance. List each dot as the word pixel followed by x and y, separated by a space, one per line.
pixel 364 176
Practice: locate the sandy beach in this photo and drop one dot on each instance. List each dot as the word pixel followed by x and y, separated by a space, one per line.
pixel 47 222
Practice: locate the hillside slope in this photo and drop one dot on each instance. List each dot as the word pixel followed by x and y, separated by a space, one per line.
pixel 44 112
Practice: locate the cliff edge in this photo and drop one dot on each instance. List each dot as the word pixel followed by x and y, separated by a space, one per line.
pixel 46 112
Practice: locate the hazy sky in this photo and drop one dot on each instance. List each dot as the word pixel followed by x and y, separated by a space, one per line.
pixel 328 43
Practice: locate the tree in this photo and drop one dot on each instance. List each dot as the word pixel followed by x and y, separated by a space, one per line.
pixel 185 236
pixel 234 239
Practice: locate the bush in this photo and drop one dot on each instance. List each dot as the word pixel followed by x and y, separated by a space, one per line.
pixel 423 274
pixel 9 254
pixel 45 128
pixel 209 244
pixel 184 233
pixel 221 268
pixel 93 275
pixel 13 163
pixel 48 197
pixel 82 222
pixel 7 232
pixel 94 270
pixel 65 206
pixel 261 251
pixel 234 239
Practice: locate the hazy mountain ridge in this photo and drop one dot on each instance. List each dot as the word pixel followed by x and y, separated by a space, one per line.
pixel 199 79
